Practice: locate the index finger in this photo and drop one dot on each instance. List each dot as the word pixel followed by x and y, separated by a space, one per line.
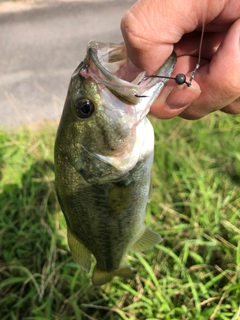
pixel 151 28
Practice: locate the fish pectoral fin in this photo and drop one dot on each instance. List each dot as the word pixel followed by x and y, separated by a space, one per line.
pixel 150 192
pixel 79 252
pixel 100 277
pixel 150 189
pixel 146 241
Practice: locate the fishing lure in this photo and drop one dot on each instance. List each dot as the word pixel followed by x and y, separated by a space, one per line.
pixel 180 78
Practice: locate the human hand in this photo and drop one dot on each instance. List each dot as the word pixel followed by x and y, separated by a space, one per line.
pixel 152 29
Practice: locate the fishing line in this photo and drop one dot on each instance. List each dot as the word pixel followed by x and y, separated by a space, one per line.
pixel 199 57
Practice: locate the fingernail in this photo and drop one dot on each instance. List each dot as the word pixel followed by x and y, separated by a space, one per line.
pixel 182 96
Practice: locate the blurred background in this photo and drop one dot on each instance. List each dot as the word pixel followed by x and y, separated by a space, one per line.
pixel 41 43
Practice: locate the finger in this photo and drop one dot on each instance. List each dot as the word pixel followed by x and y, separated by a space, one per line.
pixel 175 98
pixel 150 28
pixel 142 48
pixel 232 108
pixel 220 80
pixel 166 107
pixel 190 44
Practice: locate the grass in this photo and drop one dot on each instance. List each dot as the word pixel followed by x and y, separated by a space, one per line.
pixel 193 274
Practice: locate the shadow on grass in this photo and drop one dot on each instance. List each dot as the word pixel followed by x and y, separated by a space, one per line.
pixel 233 170
pixel 24 209
pixel 38 277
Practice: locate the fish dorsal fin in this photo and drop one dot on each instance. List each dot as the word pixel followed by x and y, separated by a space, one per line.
pixel 100 277
pixel 79 252
pixel 146 241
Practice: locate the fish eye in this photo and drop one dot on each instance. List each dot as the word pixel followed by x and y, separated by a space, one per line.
pixel 84 108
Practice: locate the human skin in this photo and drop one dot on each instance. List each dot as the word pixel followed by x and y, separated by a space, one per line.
pixel 152 29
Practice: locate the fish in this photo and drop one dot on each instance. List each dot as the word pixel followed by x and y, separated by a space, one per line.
pixel 103 153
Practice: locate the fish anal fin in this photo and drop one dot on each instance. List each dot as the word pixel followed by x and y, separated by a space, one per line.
pixel 79 252
pixel 147 240
pixel 100 277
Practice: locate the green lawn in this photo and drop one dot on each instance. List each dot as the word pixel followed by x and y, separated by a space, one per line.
pixel 193 274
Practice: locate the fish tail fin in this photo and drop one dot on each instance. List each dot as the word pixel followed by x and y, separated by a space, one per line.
pixel 147 240
pixel 100 277
pixel 79 252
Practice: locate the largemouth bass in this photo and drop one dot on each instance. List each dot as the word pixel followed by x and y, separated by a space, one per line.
pixel 103 160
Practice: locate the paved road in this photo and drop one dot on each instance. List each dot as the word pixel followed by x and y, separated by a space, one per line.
pixel 41 47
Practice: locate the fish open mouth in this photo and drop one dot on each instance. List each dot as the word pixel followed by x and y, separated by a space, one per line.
pixel 106 64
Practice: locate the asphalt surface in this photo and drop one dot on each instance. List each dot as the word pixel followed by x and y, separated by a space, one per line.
pixel 39 50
